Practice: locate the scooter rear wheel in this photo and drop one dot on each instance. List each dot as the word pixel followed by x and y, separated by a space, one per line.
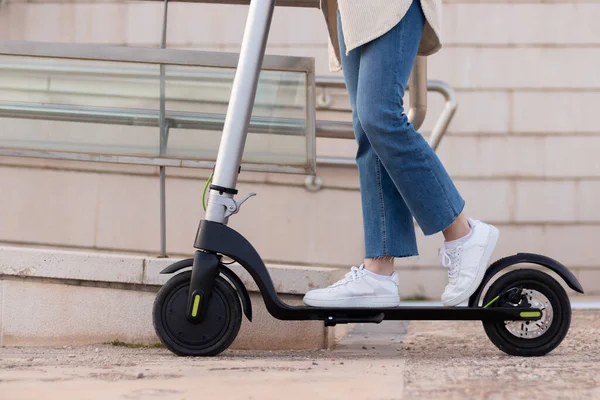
pixel 213 335
pixel 529 288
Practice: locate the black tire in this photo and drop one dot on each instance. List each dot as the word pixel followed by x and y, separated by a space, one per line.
pixel 213 335
pixel 554 334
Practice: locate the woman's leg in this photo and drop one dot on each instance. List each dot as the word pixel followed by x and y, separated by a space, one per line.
pixel 415 169
pixel 391 151
pixel 387 223
pixel 417 172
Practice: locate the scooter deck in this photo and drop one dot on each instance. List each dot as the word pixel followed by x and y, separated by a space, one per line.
pixel 334 316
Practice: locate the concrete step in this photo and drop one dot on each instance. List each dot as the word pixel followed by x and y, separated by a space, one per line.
pixel 51 297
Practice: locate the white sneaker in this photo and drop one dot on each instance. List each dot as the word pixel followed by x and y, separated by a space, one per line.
pixel 467 262
pixel 359 288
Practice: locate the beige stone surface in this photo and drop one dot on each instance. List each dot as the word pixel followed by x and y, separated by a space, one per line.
pixel 492 204
pixel 133 223
pixel 428 359
pixel 1 309
pixel 535 22
pixel 79 306
pixel 288 279
pixel 70 265
pixel 473 114
pixel 572 244
pixel 142 24
pixel 114 373
pixel 494 156
pixel 4 24
pixel 37 313
pixel 545 201
pixel 75 315
pixel 573 156
pixel 201 23
pixel 48 206
pixel 455 360
pixel 588 193
pixel 532 114
pixel 525 238
pixel 42 22
pixel 590 280
pixel 479 67
pixel 88 22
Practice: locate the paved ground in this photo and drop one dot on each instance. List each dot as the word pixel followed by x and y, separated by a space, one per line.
pixel 434 360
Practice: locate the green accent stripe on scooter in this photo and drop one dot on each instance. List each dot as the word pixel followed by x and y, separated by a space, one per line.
pixel 527 314
pixel 491 302
pixel 196 305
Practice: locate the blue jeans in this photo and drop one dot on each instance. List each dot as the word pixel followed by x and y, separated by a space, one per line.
pixel 400 175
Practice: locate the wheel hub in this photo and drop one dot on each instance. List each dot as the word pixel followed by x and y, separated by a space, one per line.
pixel 192 334
pixel 532 329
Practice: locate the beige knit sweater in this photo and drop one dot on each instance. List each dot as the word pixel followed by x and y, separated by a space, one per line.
pixel 366 20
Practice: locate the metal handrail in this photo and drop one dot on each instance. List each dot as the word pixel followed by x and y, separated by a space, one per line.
pixel 278 3
pixel 147 118
pixel 417 102
pixel 193 120
pixel 208 121
pixel 147 55
pixel 174 119
pixel 328 129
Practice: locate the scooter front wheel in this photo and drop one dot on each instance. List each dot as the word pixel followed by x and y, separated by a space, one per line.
pixel 213 335
pixel 528 288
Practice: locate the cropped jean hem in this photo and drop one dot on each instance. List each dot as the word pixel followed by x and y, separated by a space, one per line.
pixel 444 224
pixel 396 255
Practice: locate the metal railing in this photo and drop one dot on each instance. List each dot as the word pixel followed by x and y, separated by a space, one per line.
pixel 207 121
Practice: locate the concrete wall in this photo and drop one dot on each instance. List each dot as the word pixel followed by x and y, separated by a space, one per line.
pixel 522 147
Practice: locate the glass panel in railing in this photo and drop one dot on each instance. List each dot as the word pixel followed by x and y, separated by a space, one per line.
pixel 79 106
pixel 197 100
pixel 113 108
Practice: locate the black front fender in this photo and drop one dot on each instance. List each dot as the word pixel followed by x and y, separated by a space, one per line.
pixel 519 258
pixel 229 274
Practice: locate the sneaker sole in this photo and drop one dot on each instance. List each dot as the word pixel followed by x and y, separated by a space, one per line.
pixel 487 255
pixel 356 302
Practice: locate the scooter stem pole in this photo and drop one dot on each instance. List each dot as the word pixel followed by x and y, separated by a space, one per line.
pixel 241 103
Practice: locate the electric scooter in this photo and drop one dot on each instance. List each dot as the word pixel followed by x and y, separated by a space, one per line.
pixel 198 312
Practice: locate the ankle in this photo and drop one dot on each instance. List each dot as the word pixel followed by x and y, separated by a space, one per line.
pixel 459 229
pixel 380 265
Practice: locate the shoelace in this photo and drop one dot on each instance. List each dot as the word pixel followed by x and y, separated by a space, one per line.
pixel 354 274
pixel 451 260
